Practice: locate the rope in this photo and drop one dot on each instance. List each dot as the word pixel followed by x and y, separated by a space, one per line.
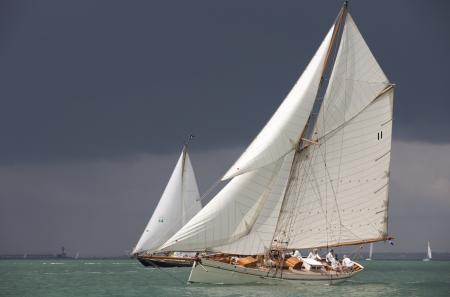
pixel 210 189
pixel 166 272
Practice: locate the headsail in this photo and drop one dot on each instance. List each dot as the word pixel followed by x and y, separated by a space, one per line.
pixel 281 134
pixel 252 198
pixel 338 193
pixel 179 202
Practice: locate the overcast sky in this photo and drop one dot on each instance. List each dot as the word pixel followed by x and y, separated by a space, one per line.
pixel 98 96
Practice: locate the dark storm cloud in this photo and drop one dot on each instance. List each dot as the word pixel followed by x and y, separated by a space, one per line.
pixel 106 79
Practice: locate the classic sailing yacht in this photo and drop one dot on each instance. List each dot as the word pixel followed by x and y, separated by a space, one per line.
pixel 429 256
pixel 370 252
pixel 178 204
pixel 316 176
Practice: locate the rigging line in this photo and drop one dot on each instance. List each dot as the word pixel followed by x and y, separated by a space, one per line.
pixel 299 197
pixel 168 273
pixel 332 189
pixel 325 212
pixel 346 122
pixel 210 189
pixel 295 187
pixel 307 169
pixel 343 129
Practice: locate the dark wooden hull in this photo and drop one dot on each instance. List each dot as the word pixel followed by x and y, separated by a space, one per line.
pixel 150 261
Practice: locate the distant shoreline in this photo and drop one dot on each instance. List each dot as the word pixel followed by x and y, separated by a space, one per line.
pixel 376 257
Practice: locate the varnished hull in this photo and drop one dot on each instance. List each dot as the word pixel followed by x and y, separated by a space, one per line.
pixel 152 261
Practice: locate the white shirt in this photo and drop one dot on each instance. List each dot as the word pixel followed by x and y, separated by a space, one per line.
pixel 297 254
pixel 347 262
pixel 314 256
pixel 329 257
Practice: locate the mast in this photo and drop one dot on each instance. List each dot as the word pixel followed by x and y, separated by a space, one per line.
pixel 303 142
pixel 356 106
pixel 338 25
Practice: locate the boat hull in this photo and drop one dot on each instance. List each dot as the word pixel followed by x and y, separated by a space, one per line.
pixel 214 272
pixel 165 261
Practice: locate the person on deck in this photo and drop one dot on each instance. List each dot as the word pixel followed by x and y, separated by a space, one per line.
pixel 330 257
pixel 297 254
pixel 314 255
pixel 347 263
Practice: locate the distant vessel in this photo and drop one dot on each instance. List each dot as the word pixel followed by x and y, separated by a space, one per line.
pixel 178 204
pixel 429 256
pixel 63 254
pixel 316 176
pixel 370 252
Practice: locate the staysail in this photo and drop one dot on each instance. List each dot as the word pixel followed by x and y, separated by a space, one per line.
pixel 287 192
pixel 179 202
pixel 282 132
pixel 250 198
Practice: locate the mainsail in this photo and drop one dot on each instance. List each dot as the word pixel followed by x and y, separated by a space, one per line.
pixel 179 202
pixel 338 192
pixel 289 192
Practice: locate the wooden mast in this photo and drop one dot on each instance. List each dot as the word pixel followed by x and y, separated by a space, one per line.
pixel 338 24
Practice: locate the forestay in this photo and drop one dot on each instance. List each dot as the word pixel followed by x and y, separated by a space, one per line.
pixel 338 191
pixel 179 202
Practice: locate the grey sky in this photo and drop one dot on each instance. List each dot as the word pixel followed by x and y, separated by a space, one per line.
pixel 97 97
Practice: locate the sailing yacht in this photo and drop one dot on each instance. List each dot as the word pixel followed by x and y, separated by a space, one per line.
pixel 315 177
pixel 429 256
pixel 370 252
pixel 179 202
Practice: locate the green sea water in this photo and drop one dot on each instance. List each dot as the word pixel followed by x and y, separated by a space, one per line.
pixel 83 278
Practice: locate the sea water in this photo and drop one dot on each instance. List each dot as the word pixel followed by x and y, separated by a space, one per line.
pixel 83 278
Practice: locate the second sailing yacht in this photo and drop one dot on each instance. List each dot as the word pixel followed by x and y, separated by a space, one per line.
pixel 179 202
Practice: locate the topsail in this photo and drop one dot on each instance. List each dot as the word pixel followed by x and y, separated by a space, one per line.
pixel 309 180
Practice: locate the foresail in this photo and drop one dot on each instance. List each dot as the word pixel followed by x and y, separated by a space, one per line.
pixel 243 210
pixel 282 133
pixel 191 204
pixel 259 240
pixel 179 201
pixel 338 189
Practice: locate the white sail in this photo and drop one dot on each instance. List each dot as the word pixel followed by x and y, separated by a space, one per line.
pixel 338 193
pixel 282 133
pixel 243 214
pixel 179 202
pixel 355 81
pixel 371 250
pixel 429 256
pixel 238 211
pixel 331 193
